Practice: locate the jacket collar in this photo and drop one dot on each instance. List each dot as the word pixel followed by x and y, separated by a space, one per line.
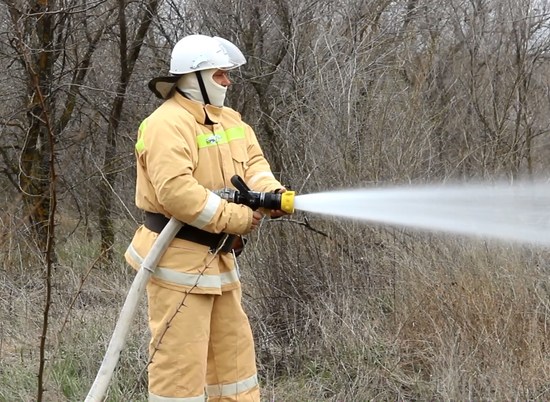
pixel 203 114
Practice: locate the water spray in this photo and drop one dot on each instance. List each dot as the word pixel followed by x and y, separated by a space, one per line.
pixel 518 212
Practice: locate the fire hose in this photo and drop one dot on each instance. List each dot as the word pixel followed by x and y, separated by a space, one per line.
pixel 241 195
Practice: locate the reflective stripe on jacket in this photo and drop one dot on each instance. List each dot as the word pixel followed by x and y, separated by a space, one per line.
pixel 180 160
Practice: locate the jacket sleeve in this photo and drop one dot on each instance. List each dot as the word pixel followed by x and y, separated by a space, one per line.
pixel 258 174
pixel 167 155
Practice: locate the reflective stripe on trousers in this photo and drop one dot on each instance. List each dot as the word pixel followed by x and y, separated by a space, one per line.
pixel 157 398
pixel 186 279
pixel 213 391
pixel 232 389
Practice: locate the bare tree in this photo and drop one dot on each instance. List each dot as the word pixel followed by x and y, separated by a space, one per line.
pixel 41 35
pixel 129 50
pixel 504 45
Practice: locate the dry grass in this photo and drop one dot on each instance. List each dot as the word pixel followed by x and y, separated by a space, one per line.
pixel 419 317
pixel 87 300
pixel 373 315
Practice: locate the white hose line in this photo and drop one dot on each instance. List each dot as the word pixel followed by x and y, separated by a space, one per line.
pixel 118 339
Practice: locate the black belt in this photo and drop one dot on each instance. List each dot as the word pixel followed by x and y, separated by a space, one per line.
pixel 156 222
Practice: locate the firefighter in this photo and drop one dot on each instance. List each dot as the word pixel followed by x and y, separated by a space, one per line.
pixel 190 146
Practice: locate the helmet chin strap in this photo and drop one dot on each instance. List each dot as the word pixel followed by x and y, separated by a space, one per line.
pixel 202 87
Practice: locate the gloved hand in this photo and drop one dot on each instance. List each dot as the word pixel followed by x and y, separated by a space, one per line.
pixel 277 213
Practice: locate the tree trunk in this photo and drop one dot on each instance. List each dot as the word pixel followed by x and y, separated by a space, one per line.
pixel 34 177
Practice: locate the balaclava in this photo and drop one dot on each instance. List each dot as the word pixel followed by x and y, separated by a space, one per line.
pixel 212 93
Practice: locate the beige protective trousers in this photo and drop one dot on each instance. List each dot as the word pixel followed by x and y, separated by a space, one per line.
pixel 202 342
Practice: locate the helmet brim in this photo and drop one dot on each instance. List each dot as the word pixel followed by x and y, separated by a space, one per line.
pixel 162 86
pixel 236 57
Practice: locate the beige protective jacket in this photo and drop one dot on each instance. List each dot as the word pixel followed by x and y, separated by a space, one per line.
pixel 179 160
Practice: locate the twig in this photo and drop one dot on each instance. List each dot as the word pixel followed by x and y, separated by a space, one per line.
pixel 305 223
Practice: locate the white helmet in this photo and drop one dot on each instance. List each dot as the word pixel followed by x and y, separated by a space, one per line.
pixel 196 53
